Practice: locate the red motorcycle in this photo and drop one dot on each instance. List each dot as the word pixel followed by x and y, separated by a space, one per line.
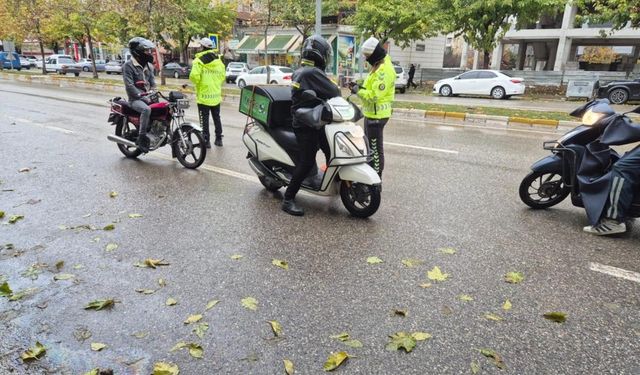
pixel 167 126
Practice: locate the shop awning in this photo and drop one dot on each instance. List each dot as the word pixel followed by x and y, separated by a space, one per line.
pixel 249 44
pixel 280 44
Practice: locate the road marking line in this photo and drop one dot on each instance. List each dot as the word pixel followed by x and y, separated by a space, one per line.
pixel 422 148
pixel 614 271
pixel 65 131
pixel 212 168
pixel 50 127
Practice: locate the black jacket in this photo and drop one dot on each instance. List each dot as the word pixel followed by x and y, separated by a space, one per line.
pixel 310 78
pixel 133 72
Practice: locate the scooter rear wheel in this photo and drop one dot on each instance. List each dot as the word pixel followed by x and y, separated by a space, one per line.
pixel 359 199
pixel 269 183
pixel 543 190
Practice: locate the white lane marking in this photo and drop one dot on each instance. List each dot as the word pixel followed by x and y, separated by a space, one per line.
pixel 422 148
pixel 212 168
pixel 50 127
pixel 614 271
pixel 65 131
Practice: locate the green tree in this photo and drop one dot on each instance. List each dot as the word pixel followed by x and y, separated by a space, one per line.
pixel 482 23
pixel 400 20
pixel 620 12
pixel 301 14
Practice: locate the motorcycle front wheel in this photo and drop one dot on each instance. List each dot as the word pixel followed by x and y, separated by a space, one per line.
pixel 543 190
pixel 189 147
pixel 127 131
pixel 359 199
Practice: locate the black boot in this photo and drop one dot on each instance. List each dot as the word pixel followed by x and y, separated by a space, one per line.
pixel 289 206
pixel 142 142
pixel 218 141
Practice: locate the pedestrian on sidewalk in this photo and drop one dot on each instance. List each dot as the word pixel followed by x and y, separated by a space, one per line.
pixel 377 94
pixel 208 75
pixel 412 73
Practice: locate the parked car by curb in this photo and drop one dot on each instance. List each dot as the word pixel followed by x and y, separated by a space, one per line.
pixel 278 75
pixel 62 64
pixel 493 83
pixel 619 92
pixel 10 61
pixel 113 67
pixel 401 79
pixel 176 70
pixel 86 65
pixel 234 69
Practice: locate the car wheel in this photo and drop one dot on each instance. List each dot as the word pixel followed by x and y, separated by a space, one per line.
pixel 108 72
pixel 403 90
pixel 618 96
pixel 85 68
pixel 446 90
pixel 76 74
pixel 176 75
pixel 242 83
pixel 274 82
pixel 498 92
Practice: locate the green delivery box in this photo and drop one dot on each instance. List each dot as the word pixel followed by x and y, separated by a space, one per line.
pixel 269 105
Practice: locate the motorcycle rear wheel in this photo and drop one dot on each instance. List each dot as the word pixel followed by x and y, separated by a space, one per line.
pixel 192 154
pixel 359 199
pixel 540 190
pixel 123 130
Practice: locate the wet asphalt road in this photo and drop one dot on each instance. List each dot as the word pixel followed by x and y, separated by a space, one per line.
pixel 196 220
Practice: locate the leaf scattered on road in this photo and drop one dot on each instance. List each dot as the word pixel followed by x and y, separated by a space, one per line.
pixel 556 316
pixel 401 340
pixel 374 260
pixel 163 368
pixel 36 352
pixel 475 367
pixel 100 304
pixel 200 329
pixel 401 312
pixel 493 317
pixel 151 263
pixel 140 335
pixel 135 216
pixel 447 250
pixel 195 350
pixel 16 296
pixel 514 277
pixel 97 346
pixel 178 346
pixel 465 298
pixel 109 227
pixel 34 271
pixel 111 247
pixel 288 367
pixel 113 194
pixel 59 265
pixel 162 283
pixel 280 263
pixel 250 303
pixel 171 302
pixel 410 263
pixel 15 218
pixel 145 291
pixel 506 306
pixel 211 304
pixel 335 360
pixel 276 327
pixel 23 170
pixel 347 340
pixel 492 354
pixel 425 285
pixel 237 256
pixel 5 290
pixel 63 276
pixel 421 336
pixel 1 214
pixel 436 275
pixel 193 318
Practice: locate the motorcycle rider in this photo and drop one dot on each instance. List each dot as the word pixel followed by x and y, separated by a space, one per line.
pixel 377 94
pixel 208 75
pixel 316 51
pixel 136 72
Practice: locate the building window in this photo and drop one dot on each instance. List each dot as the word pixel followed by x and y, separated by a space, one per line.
pixel 419 47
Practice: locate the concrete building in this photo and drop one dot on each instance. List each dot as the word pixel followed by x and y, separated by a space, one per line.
pixel 425 54
pixel 553 43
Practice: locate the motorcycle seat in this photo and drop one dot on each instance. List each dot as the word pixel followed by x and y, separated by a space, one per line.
pixel 286 138
pixel 156 108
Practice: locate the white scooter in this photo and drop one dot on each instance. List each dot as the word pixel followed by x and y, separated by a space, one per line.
pixel 273 149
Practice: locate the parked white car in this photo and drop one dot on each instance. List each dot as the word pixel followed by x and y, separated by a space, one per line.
pixel 62 64
pixel 234 69
pixel 481 82
pixel 113 67
pixel 401 79
pixel 279 75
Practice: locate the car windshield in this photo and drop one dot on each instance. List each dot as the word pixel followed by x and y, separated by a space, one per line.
pixel 286 70
pixel 398 69
pixel 236 65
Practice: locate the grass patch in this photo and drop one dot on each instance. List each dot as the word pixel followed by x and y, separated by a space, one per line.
pixel 485 110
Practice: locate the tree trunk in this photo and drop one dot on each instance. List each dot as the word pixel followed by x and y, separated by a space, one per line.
pixel 44 69
pixel 486 59
pixel 93 58
pixel 266 55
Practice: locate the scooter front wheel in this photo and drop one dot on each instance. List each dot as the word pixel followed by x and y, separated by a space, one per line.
pixel 359 199
pixel 543 190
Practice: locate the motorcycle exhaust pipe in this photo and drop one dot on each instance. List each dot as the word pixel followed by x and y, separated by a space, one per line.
pixel 122 141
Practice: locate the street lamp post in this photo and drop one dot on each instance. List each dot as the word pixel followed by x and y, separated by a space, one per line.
pixel 318 17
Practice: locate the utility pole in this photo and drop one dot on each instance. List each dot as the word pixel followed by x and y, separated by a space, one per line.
pixel 318 17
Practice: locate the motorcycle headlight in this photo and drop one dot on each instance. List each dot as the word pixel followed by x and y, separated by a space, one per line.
pixel 590 118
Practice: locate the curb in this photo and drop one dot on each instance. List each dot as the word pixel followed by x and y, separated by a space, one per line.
pixel 439 117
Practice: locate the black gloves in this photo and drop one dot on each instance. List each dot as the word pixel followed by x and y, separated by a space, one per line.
pixel 354 87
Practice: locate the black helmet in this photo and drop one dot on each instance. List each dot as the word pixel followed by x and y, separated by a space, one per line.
pixel 318 50
pixel 142 50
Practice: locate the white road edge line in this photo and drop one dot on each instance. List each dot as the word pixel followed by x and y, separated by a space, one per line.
pixel 211 168
pixel 614 271
pixel 422 148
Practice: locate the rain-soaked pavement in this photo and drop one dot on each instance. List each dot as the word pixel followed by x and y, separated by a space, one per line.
pixel 196 221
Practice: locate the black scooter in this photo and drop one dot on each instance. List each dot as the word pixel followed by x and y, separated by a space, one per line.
pixel 553 178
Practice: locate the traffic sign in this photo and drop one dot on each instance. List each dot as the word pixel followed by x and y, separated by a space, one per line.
pixel 214 39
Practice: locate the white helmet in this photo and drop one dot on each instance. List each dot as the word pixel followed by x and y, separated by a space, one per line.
pixel 373 50
pixel 206 43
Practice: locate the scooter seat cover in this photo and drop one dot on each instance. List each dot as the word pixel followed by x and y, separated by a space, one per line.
pixel 286 138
